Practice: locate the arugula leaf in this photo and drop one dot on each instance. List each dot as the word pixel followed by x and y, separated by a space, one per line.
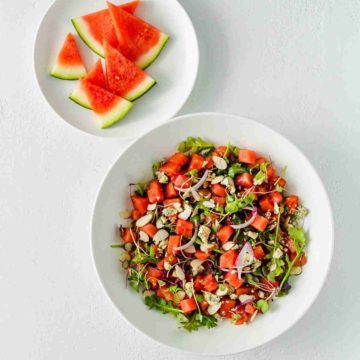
pixel 197 320
pixel 235 169
pixel 234 204
pixel 195 145
pixel 154 302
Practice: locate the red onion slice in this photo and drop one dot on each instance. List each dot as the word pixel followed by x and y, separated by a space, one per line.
pixel 183 247
pixel 196 186
pixel 240 261
pixel 246 223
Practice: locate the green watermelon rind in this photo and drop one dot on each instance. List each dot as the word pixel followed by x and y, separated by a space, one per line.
pixel 68 72
pixel 141 89
pixel 79 97
pixel 82 29
pixel 115 114
pixel 147 59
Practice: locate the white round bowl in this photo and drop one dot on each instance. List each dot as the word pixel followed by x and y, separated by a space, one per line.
pixel 134 165
pixel 174 70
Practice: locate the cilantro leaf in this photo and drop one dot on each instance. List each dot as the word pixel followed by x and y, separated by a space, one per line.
pixel 197 320
pixel 298 237
pixel 195 145
pixel 154 302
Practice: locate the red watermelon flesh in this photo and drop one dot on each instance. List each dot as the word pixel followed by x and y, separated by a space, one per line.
pixel 109 108
pixel 69 64
pixel 124 78
pixel 136 37
pixel 96 75
pixel 99 26
pixel 69 53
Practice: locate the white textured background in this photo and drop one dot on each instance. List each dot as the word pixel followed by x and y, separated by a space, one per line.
pixel 293 65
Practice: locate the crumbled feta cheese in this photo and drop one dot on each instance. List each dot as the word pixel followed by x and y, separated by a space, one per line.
pixel 210 298
pixel 204 233
pixel 277 253
pixel 163 179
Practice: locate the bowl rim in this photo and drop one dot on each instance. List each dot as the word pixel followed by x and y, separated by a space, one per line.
pixel 196 62
pixel 331 239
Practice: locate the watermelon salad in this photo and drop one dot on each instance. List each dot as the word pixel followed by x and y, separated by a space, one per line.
pixel 213 235
pixel 127 43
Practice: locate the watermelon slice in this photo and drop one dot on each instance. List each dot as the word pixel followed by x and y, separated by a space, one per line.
pixel 124 78
pixel 95 27
pixel 95 76
pixel 69 65
pixel 139 41
pixel 109 108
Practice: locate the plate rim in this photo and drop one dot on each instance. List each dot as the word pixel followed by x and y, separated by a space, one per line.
pixel 195 74
pixel 331 239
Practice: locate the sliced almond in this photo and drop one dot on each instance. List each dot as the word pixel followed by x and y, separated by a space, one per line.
pixel 179 295
pixel 160 223
pixel 246 298
pixel 228 245
pixel 125 214
pixel 206 247
pixel 213 309
pixel 196 195
pixel 217 179
pixel 144 220
pixel 296 270
pixel 186 213
pixel 179 272
pixel 143 236
pixel 151 207
pixel 190 249
pixel 220 163
pixel 160 235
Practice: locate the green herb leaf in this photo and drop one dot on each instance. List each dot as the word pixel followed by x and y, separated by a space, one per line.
pixel 154 302
pixel 156 166
pixel 262 305
pixel 236 169
pixel 140 188
pixel 141 258
pixel 234 205
pixel 195 145
pixel 298 237
pixel 197 320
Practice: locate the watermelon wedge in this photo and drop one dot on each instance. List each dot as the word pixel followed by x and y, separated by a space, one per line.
pixel 139 41
pixel 124 78
pixel 95 76
pixel 109 108
pixel 69 65
pixel 95 27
